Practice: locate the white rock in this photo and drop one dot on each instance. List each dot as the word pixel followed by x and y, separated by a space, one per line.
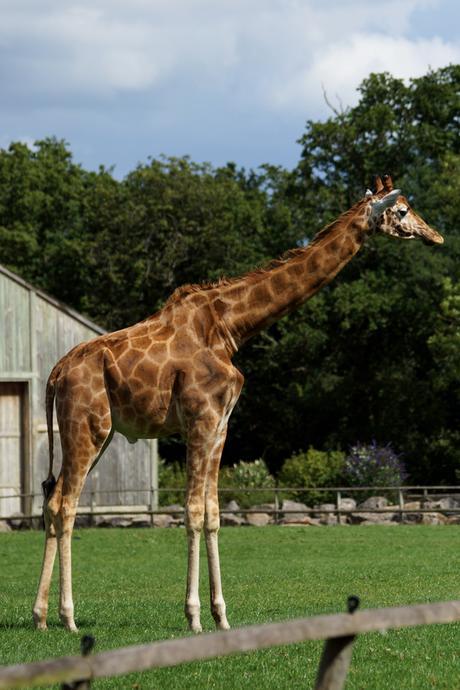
pixel 258 519
pixel 433 519
pixel 347 504
pixel 374 503
pixel 162 520
pixel 295 510
pixel 231 520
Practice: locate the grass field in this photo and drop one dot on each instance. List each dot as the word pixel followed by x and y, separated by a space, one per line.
pixel 128 589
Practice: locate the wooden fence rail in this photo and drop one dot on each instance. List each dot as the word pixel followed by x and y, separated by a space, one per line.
pixel 404 493
pixel 338 630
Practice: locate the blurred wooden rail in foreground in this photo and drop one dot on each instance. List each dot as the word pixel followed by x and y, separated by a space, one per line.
pixel 339 631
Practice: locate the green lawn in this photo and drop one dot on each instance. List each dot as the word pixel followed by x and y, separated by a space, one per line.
pixel 129 588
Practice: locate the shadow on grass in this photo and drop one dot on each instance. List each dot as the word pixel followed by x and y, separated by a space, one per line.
pixel 87 625
pixel 13 625
pixel 52 625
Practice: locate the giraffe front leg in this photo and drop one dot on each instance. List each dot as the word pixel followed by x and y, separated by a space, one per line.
pixel 192 597
pixel 218 608
pixel 194 518
pixel 212 524
pixel 205 441
pixel 200 443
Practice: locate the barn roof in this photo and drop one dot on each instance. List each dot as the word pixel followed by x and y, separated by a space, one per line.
pixel 52 300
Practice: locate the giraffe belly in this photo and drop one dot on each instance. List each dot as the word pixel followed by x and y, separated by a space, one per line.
pixel 136 428
pixel 133 421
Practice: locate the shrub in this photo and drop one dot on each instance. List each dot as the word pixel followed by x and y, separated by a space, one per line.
pixel 247 475
pixel 171 476
pixel 373 465
pixel 312 468
pixel 243 475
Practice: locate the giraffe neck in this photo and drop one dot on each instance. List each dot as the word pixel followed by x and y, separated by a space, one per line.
pixel 262 297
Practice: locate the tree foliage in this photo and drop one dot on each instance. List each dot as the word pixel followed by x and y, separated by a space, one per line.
pixel 372 356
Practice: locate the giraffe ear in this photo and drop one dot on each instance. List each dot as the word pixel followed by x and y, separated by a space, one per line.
pixel 378 184
pixel 387 183
pixel 386 202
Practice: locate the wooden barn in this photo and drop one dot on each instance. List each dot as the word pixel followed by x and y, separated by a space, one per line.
pixel 35 331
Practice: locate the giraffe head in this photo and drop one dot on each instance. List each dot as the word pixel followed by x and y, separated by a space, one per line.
pixel 391 214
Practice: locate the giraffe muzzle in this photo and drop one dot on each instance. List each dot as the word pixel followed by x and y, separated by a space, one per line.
pixel 431 237
pixel 428 236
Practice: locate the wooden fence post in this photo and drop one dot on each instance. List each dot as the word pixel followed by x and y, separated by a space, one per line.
pixel 336 657
pixel 86 645
pixel 338 502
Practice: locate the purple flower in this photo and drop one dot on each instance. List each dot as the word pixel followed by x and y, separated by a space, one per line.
pixel 374 465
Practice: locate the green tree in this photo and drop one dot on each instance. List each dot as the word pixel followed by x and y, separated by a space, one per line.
pixel 43 235
pixel 168 223
pixel 354 363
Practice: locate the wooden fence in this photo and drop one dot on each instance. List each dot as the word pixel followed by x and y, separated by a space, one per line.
pixel 339 631
pixel 403 493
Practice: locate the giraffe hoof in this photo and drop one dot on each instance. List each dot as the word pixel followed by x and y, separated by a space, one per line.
pixel 69 624
pixel 220 616
pixel 39 620
pixel 71 627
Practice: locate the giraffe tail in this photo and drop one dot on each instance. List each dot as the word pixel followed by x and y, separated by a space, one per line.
pixel 50 482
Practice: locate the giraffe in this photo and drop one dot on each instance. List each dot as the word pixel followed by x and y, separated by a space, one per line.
pixel 173 372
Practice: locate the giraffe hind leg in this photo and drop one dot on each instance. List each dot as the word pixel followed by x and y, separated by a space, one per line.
pixel 78 460
pixel 40 608
pixel 80 451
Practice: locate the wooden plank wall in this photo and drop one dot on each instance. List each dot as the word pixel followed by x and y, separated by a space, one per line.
pixel 34 334
pixel 11 446
pixel 123 466
pixel 15 327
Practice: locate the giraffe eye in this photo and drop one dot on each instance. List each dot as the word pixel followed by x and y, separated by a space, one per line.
pixel 402 212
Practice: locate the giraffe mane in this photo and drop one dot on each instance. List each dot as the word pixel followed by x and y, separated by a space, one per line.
pixel 345 216
pixel 287 256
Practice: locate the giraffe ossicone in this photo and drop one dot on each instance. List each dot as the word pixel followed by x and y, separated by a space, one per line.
pixel 381 205
pixel 173 373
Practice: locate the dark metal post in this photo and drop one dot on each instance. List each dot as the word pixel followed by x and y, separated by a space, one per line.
pixel 401 504
pixel 336 657
pixel 87 643
pixel 92 505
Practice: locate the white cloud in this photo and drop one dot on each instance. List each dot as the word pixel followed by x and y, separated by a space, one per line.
pixel 265 48
pixel 101 46
pixel 340 67
pixel 219 79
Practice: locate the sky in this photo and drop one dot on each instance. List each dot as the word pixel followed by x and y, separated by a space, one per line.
pixel 219 80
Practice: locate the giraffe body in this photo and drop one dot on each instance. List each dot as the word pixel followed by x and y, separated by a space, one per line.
pixel 173 373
